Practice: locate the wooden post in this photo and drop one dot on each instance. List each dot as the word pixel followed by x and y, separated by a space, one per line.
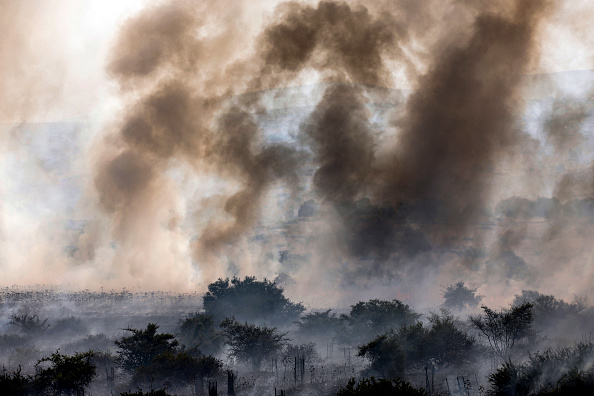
pixel 230 383
pixel 212 388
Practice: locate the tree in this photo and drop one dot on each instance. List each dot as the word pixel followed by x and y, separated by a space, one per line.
pixel 142 346
pixel 199 331
pixel 250 300
pixel 30 325
pixel 381 387
pixel 386 356
pixel 306 350
pixel 506 328
pixel 318 324
pixel 556 316
pixel 251 343
pixel 459 296
pixel 446 343
pixel 413 347
pixel 507 381
pixel 66 375
pixel 368 319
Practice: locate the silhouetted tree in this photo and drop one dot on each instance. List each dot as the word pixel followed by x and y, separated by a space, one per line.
pixel 319 324
pixel 199 331
pixel 66 375
pixel 459 296
pixel 506 328
pixel 142 346
pixel 250 300
pixel 507 381
pixel 386 356
pixel 30 325
pixel 556 316
pixel 251 343
pixel 306 350
pixel 16 383
pixel 413 347
pixel 446 343
pixel 368 319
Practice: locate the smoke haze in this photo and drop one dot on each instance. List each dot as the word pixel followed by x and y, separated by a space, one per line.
pixel 426 150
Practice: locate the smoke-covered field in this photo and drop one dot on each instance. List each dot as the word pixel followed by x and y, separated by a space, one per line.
pixel 246 337
pixel 363 155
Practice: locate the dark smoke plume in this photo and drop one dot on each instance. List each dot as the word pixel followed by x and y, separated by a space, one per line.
pixel 174 116
pixel 340 136
pixel 457 124
pixel 460 119
pixel 343 42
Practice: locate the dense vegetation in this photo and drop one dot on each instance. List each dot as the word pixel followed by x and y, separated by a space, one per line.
pixel 251 339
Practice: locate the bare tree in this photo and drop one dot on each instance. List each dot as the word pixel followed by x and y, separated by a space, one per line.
pixel 29 324
pixel 506 328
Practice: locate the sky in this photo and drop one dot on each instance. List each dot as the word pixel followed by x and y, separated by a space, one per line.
pixel 163 145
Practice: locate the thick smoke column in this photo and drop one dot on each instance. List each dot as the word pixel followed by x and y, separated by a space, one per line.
pixel 183 111
pixel 344 44
pixel 460 120
pixel 177 114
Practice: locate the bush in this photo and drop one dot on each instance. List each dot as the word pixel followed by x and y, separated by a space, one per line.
pixel 67 375
pixel 249 342
pixel 369 319
pixel 250 300
pixel 553 372
pixel 142 346
pixel 198 331
pixel 381 387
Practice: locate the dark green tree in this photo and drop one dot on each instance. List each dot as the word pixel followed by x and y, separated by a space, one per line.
pixel 199 331
pixel 65 375
pixel 142 346
pixel 380 387
pixel 252 343
pixel 250 300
